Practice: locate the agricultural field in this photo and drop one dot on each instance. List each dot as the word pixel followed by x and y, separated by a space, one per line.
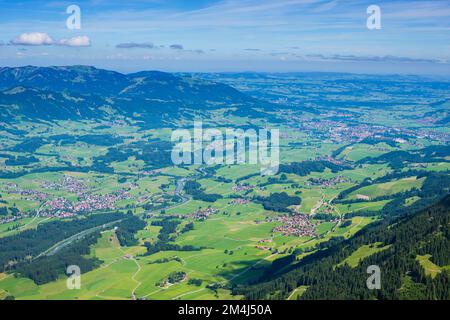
pixel 387 188
pixel 198 231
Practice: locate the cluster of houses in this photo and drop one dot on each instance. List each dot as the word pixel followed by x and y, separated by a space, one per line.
pixel 67 183
pixel 61 207
pixel 263 244
pixel 341 132
pixel 14 218
pixel 433 135
pixel 151 172
pixel 362 197
pixel 327 183
pixel 243 187
pixel 239 201
pixel 330 159
pixel 298 225
pixel 338 131
pixel 199 215
pixel 202 214
pixel 27 194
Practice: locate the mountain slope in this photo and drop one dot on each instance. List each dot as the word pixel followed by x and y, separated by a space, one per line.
pixel 80 92
pixel 34 103
pixel 79 79
pixel 404 241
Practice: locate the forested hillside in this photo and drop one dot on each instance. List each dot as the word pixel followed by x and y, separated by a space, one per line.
pixel 404 242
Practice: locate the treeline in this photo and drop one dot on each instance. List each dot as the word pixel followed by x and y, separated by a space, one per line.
pixel 30 243
pixel 368 181
pixel 246 177
pixel 279 202
pixel 172 278
pixel 164 246
pixel 424 232
pixel 195 189
pixel 188 227
pixel 167 234
pixel 127 229
pixel 104 140
pixel 338 151
pixel 374 141
pixel 155 154
pixel 29 145
pixel 165 260
pixel 325 216
pixel 50 267
pixel 168 226
pixel 438 248
pixel 304 168
pixel 5 210
pixel 435 184
pixel 20 160
pixel 282 179
pixel 46 269
pixel 97 167
pixel 397 159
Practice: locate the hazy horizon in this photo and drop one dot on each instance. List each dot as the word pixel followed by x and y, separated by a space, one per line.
pixel 443 76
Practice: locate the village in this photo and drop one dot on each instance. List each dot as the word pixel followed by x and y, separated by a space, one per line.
pixel 327 183
pixel 61 207
pixel 243 187
pixel 296 225
pixel 299 225
pixel 340 132
pixel 197 215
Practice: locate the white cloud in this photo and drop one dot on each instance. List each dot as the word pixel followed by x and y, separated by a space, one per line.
pixel 81 41
pixel 43 39
pixel 33 39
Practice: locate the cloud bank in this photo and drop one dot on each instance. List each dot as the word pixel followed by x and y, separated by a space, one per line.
pixel 388 58
pixel 43 39
pixel 176 47
pixel 33 39
pixel 81 41
pixel 133 45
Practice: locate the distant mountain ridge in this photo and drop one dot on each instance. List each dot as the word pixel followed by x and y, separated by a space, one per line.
pixel 80 92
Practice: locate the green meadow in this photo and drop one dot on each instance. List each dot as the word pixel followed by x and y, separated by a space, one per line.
pixel 363 252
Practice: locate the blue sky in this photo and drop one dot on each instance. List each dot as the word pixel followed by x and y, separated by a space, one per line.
pixel 230 35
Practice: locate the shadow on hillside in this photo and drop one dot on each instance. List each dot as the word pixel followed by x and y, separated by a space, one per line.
pixel 245 271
